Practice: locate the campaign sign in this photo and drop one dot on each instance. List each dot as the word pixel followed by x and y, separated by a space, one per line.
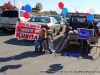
pixel 27 31
pixel 85 33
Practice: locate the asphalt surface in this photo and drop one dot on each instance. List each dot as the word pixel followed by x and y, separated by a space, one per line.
pixel 19 58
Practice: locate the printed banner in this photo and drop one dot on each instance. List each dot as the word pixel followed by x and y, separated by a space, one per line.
pixel 85 33
pixel 27 31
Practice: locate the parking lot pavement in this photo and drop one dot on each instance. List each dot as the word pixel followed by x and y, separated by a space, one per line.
pixel 19 58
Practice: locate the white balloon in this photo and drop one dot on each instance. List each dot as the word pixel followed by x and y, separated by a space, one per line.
pixel 91 11
pixel 18 5
pixel 58 11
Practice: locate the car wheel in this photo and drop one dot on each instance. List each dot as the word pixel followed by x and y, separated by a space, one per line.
pixel 58 32
pixel 61 29
pixel 5 30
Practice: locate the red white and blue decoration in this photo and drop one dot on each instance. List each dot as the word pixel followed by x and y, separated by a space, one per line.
pixel 27 9
pixel 61 9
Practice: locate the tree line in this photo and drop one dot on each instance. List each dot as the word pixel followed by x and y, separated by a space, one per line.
pixel 9 6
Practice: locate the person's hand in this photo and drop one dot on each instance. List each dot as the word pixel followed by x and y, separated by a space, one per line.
pixel 47 52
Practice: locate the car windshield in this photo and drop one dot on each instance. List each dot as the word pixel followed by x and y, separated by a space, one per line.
pixel 58 18
pixel 40 19
pixel 79 20
pixel 9 14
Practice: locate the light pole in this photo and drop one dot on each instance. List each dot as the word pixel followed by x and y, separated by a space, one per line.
pixel 14 3
pixel 75 8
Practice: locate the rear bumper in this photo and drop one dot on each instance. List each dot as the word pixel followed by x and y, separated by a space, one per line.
pixel 7 26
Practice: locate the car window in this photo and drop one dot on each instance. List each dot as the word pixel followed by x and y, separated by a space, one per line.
pixel 98 24
pixel 21 13
pixel 53 20
pixel 9 14
pixel 98 21
pixel 58 18
pixel 40 19
pixel 79 20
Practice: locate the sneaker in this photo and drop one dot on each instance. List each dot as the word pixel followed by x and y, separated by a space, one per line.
pixel 53 51
pixel 46 52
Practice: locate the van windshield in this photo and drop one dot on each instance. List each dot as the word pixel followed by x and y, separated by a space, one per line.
pixel 10 14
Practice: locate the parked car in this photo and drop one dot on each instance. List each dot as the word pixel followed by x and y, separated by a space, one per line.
pixel 50 23
pixel 60 20
pixel 0 14
pixel 10 17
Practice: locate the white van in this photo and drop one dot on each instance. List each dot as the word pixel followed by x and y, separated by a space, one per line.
pixel 10 17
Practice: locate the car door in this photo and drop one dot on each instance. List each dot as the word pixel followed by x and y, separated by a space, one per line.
pixel 53 25
pixel 57 25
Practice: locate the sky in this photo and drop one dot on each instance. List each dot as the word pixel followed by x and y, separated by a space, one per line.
pixel 83 5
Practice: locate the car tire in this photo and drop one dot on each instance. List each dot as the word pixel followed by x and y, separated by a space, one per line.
pixel 5 30
pixel 58 32
pixel 61 29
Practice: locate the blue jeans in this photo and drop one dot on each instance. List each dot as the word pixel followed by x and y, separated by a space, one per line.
pixel 37 44
pixel 50 47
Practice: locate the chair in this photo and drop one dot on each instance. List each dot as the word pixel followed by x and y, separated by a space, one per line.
pixel 94 42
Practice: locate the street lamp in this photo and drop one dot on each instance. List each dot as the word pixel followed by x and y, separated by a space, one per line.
pixel 14 3
pixel 75 8
pixel 14 7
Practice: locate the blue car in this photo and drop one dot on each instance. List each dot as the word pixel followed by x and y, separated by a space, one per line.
pixel 60 20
